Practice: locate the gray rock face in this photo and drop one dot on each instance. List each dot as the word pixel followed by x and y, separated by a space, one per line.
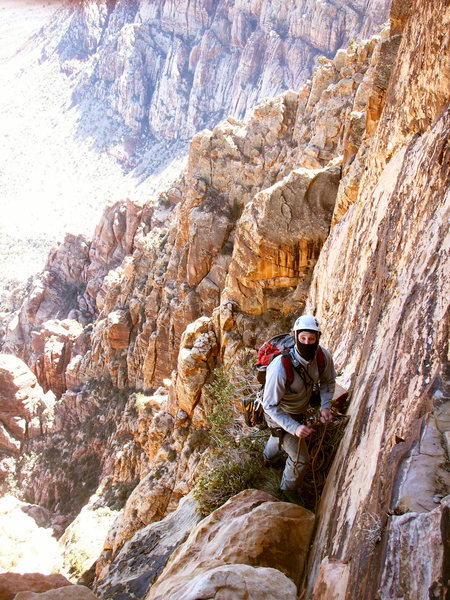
pixel 251 530
pixel 172 68
pixel 415 565
pixel 142 558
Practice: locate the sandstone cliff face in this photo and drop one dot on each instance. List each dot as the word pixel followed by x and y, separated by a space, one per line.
pixel 391 250
pixel 210 270
pixel 173 68
pixel 217 245
pixel 235 239
pixel 24 412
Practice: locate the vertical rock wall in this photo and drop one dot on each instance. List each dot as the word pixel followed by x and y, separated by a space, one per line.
pixel 381 289
pixel 236 240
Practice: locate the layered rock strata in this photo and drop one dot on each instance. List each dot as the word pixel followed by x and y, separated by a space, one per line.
pixel 182 299
pixel 257 198
pixel 210 240
pixel 25 412
pixel 173 69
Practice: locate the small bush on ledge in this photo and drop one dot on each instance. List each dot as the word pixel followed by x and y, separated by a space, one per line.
pixel 235 463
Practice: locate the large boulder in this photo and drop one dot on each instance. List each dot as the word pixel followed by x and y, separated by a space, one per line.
pixel 72 592
pixel 237 582
pixel 251 529
pixel 13 583
pixel 142 558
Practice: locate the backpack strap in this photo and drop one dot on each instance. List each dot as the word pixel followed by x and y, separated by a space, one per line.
pixel 287 364
pixel 289 368
pixel 320 357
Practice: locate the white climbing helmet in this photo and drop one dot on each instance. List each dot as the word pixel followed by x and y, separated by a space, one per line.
pixel 307 323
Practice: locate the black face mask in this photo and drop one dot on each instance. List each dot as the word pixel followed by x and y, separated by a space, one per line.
pixel 307 351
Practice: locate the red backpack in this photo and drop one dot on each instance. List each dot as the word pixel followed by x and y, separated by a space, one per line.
pixel 279 344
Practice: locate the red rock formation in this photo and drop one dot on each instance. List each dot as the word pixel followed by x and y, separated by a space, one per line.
pixel 381 288
pixel 21 404
pixel 53 346
pixel 13 583
pixel 208 275
pixel 180 267
pixel 72 592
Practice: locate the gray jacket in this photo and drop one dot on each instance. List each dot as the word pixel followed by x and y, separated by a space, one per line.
pixel 279 404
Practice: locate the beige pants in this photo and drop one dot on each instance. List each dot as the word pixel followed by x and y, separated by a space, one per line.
pixel 293 473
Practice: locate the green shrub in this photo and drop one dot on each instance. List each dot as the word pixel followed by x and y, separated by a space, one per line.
pixel 77 562
pixel 221 416
pixel 235 463
pixel 229 476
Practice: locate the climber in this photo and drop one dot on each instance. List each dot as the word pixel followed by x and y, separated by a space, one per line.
pixel 284 406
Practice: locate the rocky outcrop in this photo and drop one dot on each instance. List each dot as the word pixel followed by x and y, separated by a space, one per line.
pixel 153 269
pixel 228 260
pixel 174 69
pixel 56 294
pixel 143 557
pixel 72 592
pixel 195 362
pixel 22 408
pixel 269 262
pixel 13 583
pixel 218 244
pixel 53 346
pixel 173 286
pixel 252 545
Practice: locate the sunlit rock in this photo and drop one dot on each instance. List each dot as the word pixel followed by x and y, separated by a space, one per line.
pixel 250 529
pixel 197 350
pixel 13 583
pixel 27 542
pixel 143 557
pixel 22 404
